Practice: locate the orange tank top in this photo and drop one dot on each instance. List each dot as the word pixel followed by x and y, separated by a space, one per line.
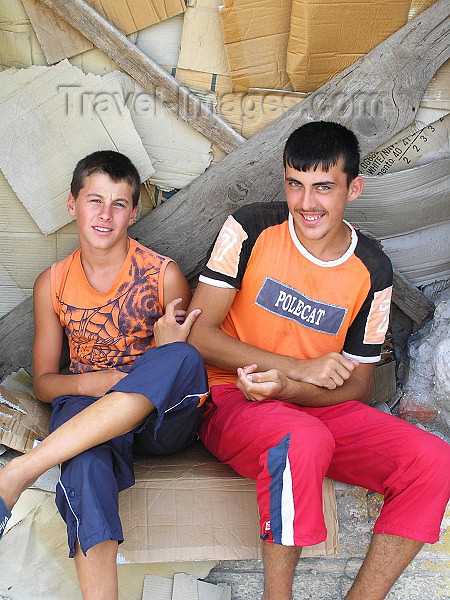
pixel 111 329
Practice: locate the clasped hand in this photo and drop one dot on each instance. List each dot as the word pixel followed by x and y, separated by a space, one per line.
pixel 174 325
pixel 329 371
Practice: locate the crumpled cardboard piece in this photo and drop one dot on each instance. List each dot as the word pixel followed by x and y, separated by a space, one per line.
pixel 59 40
pixel 23 419
pixel 326 37
pixel 256 34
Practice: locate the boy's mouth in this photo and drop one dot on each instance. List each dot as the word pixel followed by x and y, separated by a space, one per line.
pixel 102 229
pixel 312 218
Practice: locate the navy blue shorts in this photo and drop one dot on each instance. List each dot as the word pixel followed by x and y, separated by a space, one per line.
pixel 174 379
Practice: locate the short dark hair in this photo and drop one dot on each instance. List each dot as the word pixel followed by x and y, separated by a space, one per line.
pixel 324 144
pixel 114 164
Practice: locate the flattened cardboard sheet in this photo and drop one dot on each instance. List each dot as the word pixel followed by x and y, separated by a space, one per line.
pixel 421 256
pixel 11 294
pixel 178 152
pixel 161 42
pixel 256 34
pixel 398 203
pixel 326 37
pixel 19 46
pixel 202 42
pixel 427 145
pixel 59 40
pixel 44 115
pixel 190 506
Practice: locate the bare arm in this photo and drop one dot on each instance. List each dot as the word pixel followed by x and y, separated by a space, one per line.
pixel 174 325
pixel 272 384
pixel 48 337
pixel 226 352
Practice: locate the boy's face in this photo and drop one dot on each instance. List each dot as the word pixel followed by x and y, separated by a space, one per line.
pixel 104 210
pixel 317 200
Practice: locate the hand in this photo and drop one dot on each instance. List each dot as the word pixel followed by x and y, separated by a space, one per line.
pixel 329 371
pixel 266 385
pixel 97 383
pixel 174 325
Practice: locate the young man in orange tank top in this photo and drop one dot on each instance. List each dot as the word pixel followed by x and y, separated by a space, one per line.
pixel 135 384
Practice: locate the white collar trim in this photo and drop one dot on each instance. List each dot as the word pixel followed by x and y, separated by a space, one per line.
pixel 317 261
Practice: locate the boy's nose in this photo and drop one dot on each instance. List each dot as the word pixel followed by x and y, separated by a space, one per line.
pixel 308 201
pixel 106 213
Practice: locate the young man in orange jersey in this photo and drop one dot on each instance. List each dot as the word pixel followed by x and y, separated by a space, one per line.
pixel 135 384
pixel 295 301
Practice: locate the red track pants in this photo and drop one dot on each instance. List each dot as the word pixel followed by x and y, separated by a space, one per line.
pixel 289 449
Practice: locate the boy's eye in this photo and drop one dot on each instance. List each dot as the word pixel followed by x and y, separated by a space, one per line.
pixel 120 204
pixel 323 188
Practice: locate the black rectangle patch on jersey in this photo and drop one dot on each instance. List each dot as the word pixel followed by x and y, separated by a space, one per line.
pixel 282 300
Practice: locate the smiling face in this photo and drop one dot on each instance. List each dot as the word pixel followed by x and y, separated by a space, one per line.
pixel 316 201
pixel 104 210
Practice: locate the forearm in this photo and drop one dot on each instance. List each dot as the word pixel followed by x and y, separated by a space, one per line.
pixel 48 386
pixel 273 385
pixel 225 352
pixel 307 394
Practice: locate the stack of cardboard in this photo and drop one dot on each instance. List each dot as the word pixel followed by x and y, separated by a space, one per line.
pixel 243 59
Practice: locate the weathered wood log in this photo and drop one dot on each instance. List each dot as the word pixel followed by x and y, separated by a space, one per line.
pixel 410 300
pixel 377 96
pixel 151 76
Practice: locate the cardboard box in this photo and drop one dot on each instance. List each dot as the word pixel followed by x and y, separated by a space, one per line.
pixel 59 40
pixel 256 34
pixel 326 37
pixel 188 506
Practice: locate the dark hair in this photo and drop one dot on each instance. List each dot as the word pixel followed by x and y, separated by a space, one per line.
pixel 114 164
pixel 322 144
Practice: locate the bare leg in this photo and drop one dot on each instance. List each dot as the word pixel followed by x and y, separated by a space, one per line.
pixel 97 571
pixel 279 566
pixel 386 559
pixel 114 414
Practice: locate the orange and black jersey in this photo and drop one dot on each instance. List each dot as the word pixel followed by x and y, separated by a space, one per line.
pixel 291 303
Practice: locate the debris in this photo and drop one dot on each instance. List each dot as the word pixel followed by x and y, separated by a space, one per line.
pixel 183 587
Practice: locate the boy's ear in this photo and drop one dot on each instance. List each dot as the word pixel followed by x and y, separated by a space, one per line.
pixel 355 188
pixel 133 215
pixel 71 205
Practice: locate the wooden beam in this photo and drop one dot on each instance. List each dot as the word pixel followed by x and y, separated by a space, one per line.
pixel 151 76
pixel 411 300
pixel 394 75
pixel 377 97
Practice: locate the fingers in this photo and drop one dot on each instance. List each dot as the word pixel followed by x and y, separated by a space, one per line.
pixel 170 307
pixel 190 319
pixel 247 372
